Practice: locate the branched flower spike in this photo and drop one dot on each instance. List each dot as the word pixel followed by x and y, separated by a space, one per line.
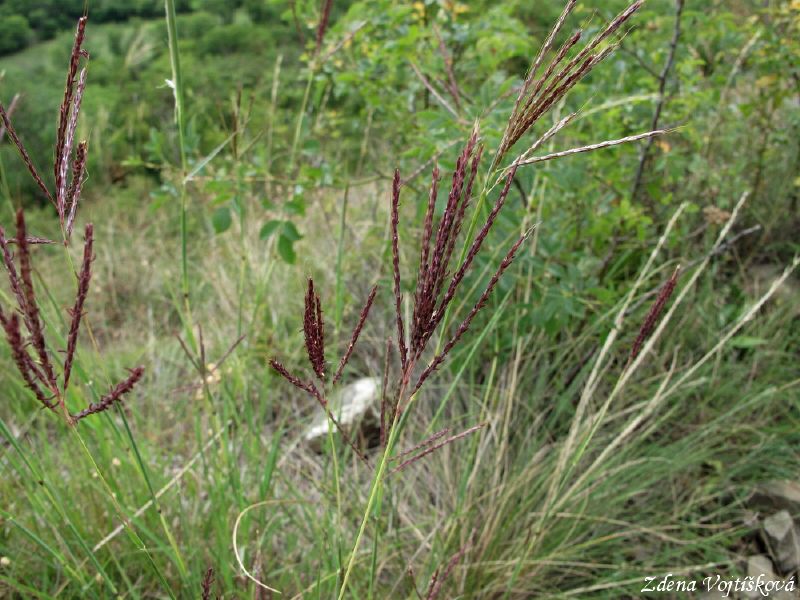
pixel 68 171
pixel 114 395
pixel 538 95
pixel 314 335
pixel 36 367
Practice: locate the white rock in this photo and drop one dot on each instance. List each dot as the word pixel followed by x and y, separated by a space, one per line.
pixel 777 495
pixel 356 403
pixel 783 538
pixel 759 565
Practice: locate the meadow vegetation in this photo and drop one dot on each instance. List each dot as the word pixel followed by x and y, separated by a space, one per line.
pixel 588 346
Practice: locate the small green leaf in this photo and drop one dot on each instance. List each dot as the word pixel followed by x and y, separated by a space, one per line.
pixel 221 219
pixel 269 228
pixel 746 341
pixel 290 231
pixel 286 249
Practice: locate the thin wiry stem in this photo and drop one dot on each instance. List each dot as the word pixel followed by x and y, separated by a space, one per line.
pixel 662 98
pixel 385 392
pixel 428 86
pixel 9 113
pixel 423 444
pixel 448 66
pixel 437 581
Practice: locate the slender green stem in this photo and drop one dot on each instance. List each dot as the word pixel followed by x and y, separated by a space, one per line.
pixel 374 493
pixel 339 256
pixel 177 86
pixel 298 128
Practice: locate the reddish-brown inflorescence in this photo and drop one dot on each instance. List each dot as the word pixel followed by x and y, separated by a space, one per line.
pixel 12 134
pixel 39 374
pixel 84 278
pixel 67 191
pixel 314 331
pixel 538 95
pixel 115 395
pixel 22 359
pixel 31 307
pixel 434 448
pixel 362 318
pixel 324 19
pixel 208 581
pixel 65 112
pixel 651 320
pixel 432 298
pixel 437 580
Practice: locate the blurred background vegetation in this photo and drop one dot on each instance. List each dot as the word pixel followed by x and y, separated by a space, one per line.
pixel 290 154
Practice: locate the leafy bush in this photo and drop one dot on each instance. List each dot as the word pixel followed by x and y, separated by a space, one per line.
pixel 15 33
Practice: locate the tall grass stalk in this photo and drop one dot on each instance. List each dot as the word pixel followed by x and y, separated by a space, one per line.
pixel 178 91
pixel 301 115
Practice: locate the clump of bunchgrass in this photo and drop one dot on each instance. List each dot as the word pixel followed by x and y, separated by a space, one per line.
pixel 439 275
